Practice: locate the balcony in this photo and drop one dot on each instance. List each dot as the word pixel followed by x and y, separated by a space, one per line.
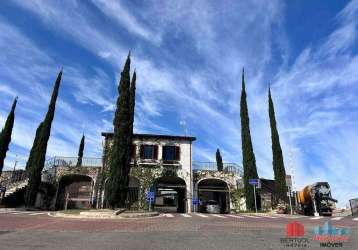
pixel 211 166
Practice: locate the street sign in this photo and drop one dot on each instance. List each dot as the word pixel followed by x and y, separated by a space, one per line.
pixel 150 195
pixel 196 201
pixel 150 199
pixel 254 182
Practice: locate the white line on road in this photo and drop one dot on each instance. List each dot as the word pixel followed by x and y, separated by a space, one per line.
pixel 316 218
pixel 202 215
pixel 234 216
pixel 37 213
pixel 168 215
pixel 337 218
pixel 186 215
pixel 219 216
pixel 250 216
pixel 271 217
pixel 355 219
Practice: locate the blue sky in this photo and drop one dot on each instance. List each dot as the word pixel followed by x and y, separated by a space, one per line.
pixel 188 56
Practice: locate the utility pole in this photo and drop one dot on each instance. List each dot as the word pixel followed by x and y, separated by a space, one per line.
pixel 290 159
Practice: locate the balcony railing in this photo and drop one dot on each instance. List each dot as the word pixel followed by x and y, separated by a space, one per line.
pixel 211 166
pixel 59 161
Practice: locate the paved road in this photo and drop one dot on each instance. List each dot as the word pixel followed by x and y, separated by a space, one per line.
pixel 37 230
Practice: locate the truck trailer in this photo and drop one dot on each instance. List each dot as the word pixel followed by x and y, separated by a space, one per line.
pixel 316 199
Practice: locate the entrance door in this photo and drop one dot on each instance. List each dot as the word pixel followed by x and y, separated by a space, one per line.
pixel 170 194
pixel 214 196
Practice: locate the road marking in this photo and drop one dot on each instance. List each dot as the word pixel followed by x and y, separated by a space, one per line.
pixel 292 217
pixel 186 215
pixel 355 219
pixel 168 215
pixel 219 216
pixel 337 218
pixel 16 213
pixel 37 213
pixel 250 216
pixel 316 218
pixel 234 216
pixel 271 217
pixel 202 215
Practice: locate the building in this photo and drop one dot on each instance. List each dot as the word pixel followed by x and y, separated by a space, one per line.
pixel 161 164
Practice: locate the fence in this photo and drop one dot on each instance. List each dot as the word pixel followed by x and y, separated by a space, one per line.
pixel 12 178
pixel 72 162
pixel 354 206
pixel 211 166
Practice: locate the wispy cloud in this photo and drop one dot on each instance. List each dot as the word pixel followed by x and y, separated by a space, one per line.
pixel 118 12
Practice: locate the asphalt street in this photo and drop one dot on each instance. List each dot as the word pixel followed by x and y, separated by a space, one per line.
pixel 38 230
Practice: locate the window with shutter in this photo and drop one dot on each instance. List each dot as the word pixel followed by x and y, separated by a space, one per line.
pixel 133 152
pixel 142 151
pixel 177 153
pixel 155 152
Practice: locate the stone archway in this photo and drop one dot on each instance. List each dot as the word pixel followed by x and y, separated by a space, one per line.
pixel 77 187
pixel 170 194
pixel 214 195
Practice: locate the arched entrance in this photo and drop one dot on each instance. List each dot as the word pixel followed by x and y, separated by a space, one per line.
pixel 170 194
pixel 76 189
pixel 213 195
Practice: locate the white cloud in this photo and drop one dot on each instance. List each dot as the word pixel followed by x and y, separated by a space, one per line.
pixel 117 11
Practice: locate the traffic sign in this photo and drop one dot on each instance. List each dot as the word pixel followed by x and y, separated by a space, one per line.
pixel 150 195
pixel 254 182
pixel 196 201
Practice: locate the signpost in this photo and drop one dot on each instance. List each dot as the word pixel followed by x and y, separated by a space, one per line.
pixel 255 182
pixel 150 198
pixel 195 201
pixel 289 188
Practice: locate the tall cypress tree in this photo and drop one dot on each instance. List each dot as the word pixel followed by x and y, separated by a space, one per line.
pixel 248 156
pixel 36 161
pixel 119 162
pixel 219 161
pixel 80 152
pixel 5 135
pixel 132 100
pixel 277 158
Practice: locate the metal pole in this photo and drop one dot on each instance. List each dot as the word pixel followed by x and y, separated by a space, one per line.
pixel 255 198
pixel 289 197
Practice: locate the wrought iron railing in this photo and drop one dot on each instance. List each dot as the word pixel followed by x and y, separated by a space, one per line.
pixel 211 166
pixel 60 161
pixel 15 177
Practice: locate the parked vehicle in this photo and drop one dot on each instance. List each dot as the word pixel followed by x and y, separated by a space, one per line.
pixel 212 207
pixel 316 199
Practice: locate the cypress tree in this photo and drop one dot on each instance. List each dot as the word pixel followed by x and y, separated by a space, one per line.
pixel 5 135
pixel 80 152
pixel 36 161
pixel 132 100
pixel 277 158
pixel 119 162
pixel 248 156
pixel 219 161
